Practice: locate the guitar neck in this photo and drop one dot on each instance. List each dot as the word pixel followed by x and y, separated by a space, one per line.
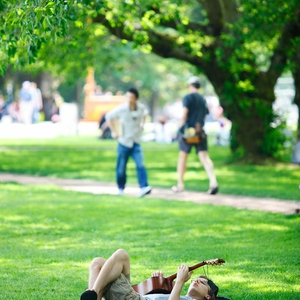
pixel 172 277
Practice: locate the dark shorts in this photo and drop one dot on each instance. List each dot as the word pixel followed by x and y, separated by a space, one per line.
pixel 121 289
pixel 185 147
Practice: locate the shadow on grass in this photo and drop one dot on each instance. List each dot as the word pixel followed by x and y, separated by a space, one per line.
pixel 51 236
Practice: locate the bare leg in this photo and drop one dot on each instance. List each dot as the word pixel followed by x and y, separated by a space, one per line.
pixel 112 268
pixel 181 168
pixel 209 168
pixel 94 270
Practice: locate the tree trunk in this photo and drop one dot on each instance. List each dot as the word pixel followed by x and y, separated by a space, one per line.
pixel 296 75
pixel 249 130
pixel 45 83
pixel 251 113
pixel 153 103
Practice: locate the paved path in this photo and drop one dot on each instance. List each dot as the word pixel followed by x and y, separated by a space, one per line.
pixel 96 187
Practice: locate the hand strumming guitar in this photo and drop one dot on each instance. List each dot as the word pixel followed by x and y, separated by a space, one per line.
pixel 183 275
pixel 158 273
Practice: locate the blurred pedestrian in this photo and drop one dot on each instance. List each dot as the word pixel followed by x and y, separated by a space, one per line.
pixel 163 132
pixel 2 106
pixel 126 123
pixel 13 110
pixel 58 101
pixel 194 113
pixel 98 90
pixel 26 103
pixel 37 102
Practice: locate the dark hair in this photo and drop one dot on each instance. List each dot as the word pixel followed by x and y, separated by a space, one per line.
pixel 213 291
pixel 212 295
pixel 133 91
pixel 196 85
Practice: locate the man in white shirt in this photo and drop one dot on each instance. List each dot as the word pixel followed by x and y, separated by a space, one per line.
pixel 126 123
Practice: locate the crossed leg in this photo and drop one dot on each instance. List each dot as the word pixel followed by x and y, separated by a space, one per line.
pixel 102 272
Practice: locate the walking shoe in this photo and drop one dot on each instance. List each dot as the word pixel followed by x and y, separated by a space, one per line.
pixel 177 189
pixel 213 191
pixel 145 191
pixel 121 192
pixel 88 295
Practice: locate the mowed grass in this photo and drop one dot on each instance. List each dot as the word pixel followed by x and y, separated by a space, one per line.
pixel 49 236
pixel 91 158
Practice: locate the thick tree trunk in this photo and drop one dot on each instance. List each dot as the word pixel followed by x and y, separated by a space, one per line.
pixel 251 121
pixel 251 113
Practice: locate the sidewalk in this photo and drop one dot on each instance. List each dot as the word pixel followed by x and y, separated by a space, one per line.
pixel 96 187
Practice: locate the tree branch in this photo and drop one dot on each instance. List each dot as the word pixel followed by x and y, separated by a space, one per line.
pixel 290 32
pixel 220 12
pixel 165 46
pixel 214 14
pixel 173 23
pixel 162 44
pixel 229 11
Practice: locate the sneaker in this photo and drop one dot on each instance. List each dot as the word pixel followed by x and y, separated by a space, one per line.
pixel 89 295
pixel 213 191
pixel 145 191
pixel 121 192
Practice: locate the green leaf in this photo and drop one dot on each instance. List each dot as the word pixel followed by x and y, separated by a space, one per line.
pixel 50 4
pixel 39 13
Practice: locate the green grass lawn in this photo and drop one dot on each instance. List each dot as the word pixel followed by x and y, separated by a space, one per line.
pixel 48 237
pixel 91 158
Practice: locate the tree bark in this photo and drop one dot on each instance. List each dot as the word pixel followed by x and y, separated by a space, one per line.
pixel 296 75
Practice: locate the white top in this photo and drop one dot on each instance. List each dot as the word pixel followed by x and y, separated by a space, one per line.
pixel 130 121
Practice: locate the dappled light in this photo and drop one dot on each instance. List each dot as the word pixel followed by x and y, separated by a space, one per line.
pixel 89 159
pixel 60 232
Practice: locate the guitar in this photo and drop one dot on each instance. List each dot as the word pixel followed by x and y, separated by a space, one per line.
pixel 162 285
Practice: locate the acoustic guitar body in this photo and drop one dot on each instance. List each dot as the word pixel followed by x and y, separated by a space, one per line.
pixel 154 285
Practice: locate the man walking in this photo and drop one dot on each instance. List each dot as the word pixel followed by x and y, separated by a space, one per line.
pixel 194 113
pixel 126 123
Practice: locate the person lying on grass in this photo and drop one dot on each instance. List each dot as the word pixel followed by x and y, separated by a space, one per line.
pixel 110 279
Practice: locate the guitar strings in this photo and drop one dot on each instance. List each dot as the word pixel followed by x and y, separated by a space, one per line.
pixel 205 268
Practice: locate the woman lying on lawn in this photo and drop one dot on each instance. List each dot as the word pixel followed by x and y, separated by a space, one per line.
pixel 110 279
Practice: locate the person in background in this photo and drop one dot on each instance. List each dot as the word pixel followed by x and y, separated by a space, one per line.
pixel 13 110
pixel 163 132
pixel 98 90
pixel 37 102
pixel 26 103
pixel 58 101
pixel 194 113
pixel 126 123
pixel 2 106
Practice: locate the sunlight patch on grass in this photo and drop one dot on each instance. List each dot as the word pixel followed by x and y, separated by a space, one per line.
pixel 94 159
pixel 199 175
pixel 52 235
pixel 266 227
pixel 14 218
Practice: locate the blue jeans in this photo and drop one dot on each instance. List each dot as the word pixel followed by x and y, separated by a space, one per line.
pixel 136 153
